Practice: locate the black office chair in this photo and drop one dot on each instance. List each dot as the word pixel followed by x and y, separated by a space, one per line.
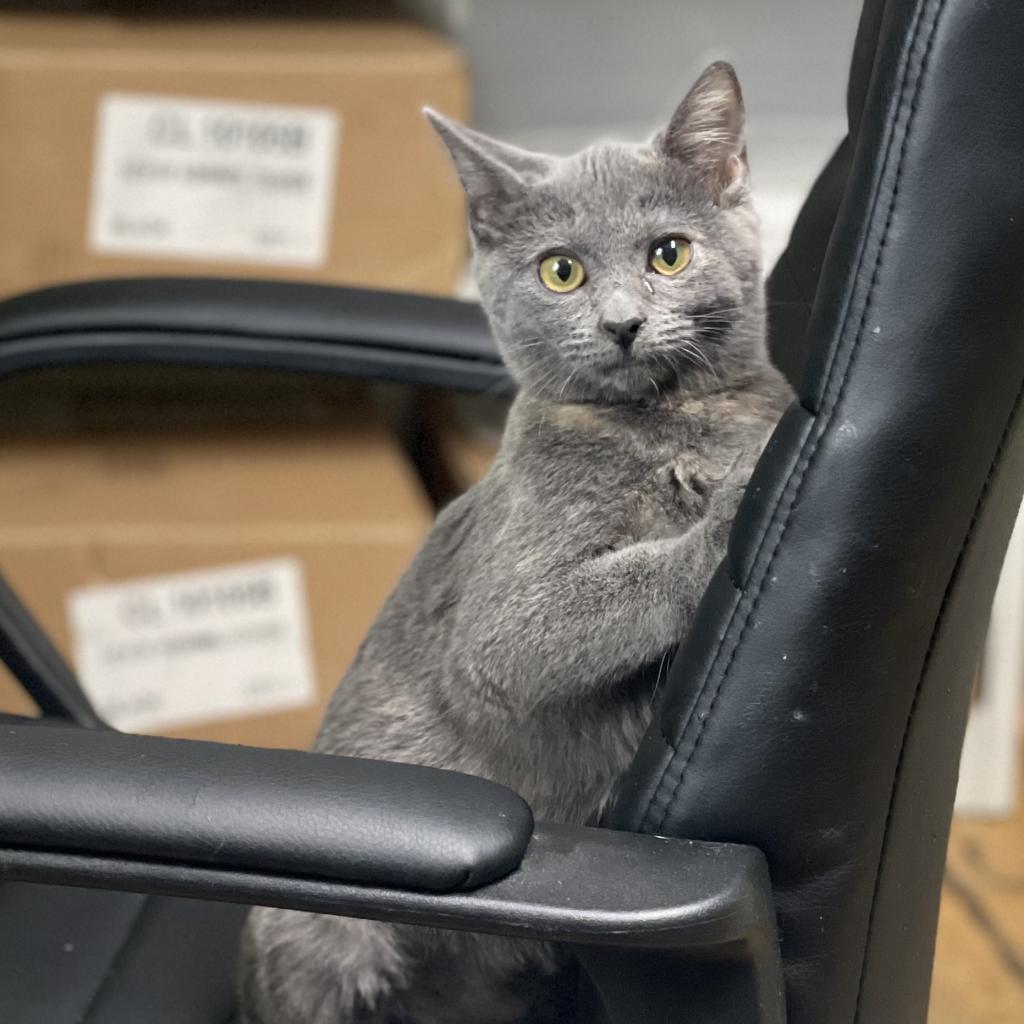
pixel 804 754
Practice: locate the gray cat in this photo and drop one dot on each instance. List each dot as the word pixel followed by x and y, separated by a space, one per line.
pixel 624 288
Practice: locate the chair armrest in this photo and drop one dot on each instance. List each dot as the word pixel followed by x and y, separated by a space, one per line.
pixel 658 923
pixel 351 820
pixel 256 324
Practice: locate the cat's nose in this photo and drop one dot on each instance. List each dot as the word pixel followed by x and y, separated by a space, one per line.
pixel 624 331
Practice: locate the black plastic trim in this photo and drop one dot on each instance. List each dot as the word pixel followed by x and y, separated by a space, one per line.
pixel 276 325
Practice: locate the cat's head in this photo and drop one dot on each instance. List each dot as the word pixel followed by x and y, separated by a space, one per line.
pixel 616 274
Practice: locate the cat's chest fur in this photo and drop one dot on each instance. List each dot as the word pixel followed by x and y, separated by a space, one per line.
pixel 646 471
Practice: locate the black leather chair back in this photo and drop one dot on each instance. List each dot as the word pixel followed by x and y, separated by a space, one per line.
pixel 818 708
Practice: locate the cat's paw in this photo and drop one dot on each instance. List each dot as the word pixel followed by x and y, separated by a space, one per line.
pixel 686 483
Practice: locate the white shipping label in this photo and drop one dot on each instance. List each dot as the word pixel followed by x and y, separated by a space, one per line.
pixel 196 646
pixel 199 179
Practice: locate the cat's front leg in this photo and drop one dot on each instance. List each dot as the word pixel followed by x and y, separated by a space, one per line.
pixel 584 625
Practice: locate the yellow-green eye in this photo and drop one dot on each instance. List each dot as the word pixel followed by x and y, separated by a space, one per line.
pixel 671 255
pixel 561 273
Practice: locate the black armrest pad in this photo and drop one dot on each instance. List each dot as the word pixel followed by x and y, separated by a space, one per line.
pixel 260 324
pixel 345 819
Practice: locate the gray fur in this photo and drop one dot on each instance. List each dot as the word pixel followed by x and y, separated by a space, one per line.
pixel 512 647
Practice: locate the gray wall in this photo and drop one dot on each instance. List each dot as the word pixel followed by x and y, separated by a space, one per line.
pixel 609 65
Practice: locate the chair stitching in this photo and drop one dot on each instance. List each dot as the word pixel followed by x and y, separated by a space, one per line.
pixel 766 529
pixel 791 491
pixel 674 775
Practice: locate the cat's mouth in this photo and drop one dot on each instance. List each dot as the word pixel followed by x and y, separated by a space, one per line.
pixel 629 360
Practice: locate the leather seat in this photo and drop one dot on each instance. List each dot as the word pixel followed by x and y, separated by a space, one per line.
pixel 82 955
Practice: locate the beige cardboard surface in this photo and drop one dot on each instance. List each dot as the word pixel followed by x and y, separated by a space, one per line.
pixel 397 217
pixel 97 492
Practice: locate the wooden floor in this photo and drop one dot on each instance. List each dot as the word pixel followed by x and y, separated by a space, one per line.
pixel 979 961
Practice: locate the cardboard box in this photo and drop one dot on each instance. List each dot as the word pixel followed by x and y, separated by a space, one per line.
pixel 192 474
pixel 269 147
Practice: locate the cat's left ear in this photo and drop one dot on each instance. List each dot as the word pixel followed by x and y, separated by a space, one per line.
pixel 494 175
pixel 707 133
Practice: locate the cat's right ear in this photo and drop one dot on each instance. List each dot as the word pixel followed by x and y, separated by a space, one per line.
pixel 494 175
pixel 707 133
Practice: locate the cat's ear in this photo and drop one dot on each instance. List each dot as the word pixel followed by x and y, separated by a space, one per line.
pixel 707 132
pixel 493 174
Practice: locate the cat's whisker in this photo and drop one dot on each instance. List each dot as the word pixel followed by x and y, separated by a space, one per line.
pixel 701 357
pixel 716 314
pixel 545 379
pixel 658 678
pixel 529 366
pixel 718 311
pixel 726 309
pixel 697 356
pixel 548 380
pixel 568 381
